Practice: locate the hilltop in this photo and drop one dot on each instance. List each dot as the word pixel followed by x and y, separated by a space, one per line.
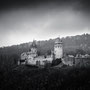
pixel 24 77
pixel 70 44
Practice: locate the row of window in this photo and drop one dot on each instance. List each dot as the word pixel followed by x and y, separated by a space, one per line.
pixel 58 46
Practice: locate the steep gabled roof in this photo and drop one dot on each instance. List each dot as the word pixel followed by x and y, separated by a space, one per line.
pixel 33 45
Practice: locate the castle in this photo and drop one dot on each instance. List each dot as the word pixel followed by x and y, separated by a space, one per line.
pixel 32 58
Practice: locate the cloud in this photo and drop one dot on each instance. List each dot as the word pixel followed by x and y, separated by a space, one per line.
pixel 43 21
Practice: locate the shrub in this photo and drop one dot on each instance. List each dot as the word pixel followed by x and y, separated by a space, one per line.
pixel 56 62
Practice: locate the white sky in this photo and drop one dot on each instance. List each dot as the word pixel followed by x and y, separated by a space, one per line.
pixel 23 25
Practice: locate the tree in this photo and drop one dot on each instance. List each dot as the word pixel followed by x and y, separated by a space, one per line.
pixel 80 51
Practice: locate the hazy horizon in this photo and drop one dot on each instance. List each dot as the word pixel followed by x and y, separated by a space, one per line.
pixel 24 20
pixel 42 40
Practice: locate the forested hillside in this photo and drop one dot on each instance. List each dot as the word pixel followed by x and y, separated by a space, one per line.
pixel 70 44
pixel 24 77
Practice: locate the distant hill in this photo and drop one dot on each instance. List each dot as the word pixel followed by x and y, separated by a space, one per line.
pixel 70 44
pixel 9 56
pixel 24 77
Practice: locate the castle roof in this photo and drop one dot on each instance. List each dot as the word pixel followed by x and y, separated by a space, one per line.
pixel 58 40
pixel 33 45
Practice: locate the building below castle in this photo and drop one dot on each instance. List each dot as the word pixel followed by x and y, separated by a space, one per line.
pixel 32 58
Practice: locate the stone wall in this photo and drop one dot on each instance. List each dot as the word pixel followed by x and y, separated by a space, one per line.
pixel 72 61
pixel 82 61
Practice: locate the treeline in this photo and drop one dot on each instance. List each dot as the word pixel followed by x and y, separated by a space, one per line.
pixel 71 44
pixel 13 78
pixel 26 78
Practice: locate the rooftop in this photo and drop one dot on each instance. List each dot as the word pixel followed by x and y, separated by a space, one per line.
pixel 33 45
pixel 58 40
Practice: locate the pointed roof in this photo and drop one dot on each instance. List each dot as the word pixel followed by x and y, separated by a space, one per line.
pixel 58 40
pixel 33 45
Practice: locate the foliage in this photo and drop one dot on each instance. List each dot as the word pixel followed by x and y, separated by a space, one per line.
pixel 23 78
pixel 56 62
pixel 70 44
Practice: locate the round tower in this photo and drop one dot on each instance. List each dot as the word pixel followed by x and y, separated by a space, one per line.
pixel 58 49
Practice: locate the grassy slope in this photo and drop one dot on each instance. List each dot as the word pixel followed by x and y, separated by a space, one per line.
pixel 29 78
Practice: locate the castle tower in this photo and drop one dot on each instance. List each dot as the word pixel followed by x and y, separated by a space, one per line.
pixel 58 49
pixel 34 48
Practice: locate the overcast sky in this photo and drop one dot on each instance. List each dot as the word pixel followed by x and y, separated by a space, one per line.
pixel 24 20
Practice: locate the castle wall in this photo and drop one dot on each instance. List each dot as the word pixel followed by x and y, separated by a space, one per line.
pixel 69 61
pixel 73 61
pixel 82 61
